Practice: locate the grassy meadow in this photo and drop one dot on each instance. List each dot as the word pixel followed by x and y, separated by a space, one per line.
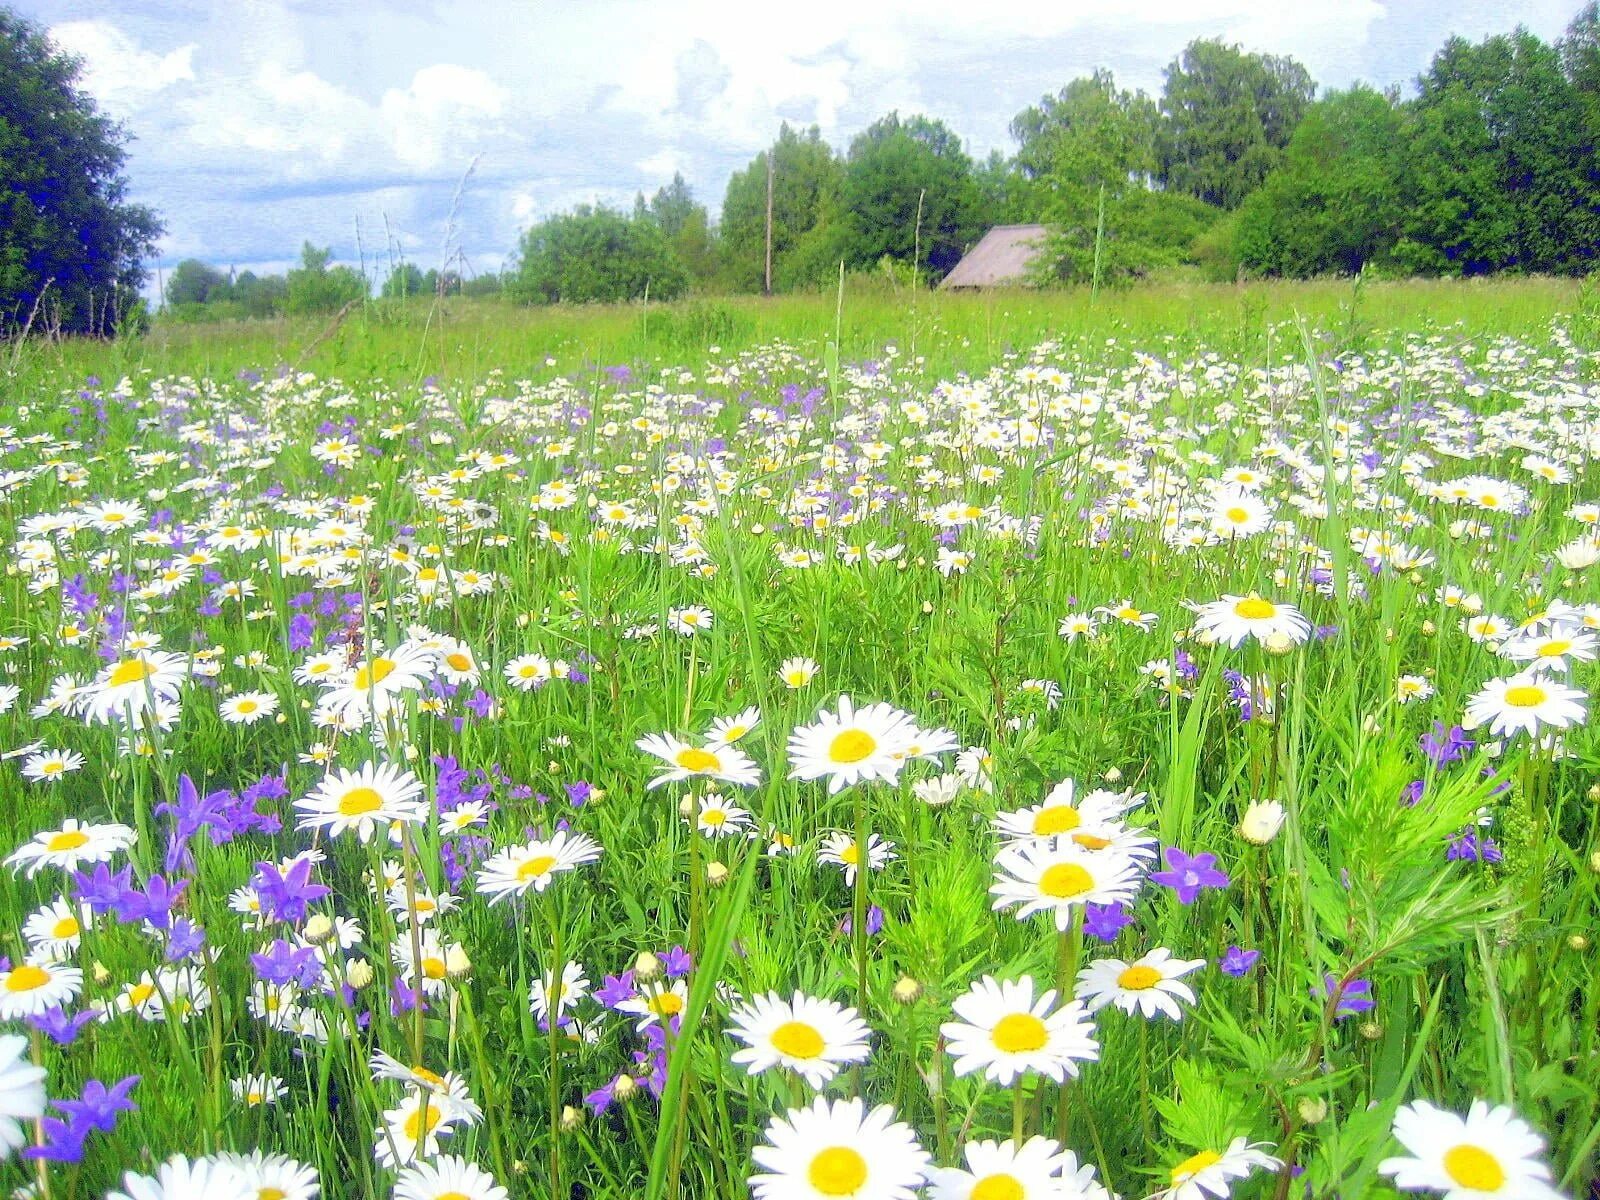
pixel 989 747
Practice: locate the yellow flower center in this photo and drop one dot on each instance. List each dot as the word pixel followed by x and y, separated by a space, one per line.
pixel 1017 1033
pixel 1193 1165
pixel 697 761
pixel 453 1196
pixel 66 927
pixel 535 867
pixel 139 993
pixel 1474 1168
pixel 248 706
pixel 459 662
pixel 357 802
pixel 1554 649
pixel 837 1171
pixel 428 1076
pixel 797 1040
pixel 1064 881
pixel 269 1192
pixel 421 1121
pixel 433 968
pixel 998 1187
pixel 1139 979
pixel 1525 696
pixel 1255 609
pixel 374 672
pixel 27 978
pixel 850 855
pixel 132 670
pixel 67 839
pixel 1091 841
pixel 851 746
pixel 666 1004
pixel 1237 515
pixel 714 817
pixel 1058 818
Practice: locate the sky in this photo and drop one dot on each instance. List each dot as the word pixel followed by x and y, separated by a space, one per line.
pixel 426 129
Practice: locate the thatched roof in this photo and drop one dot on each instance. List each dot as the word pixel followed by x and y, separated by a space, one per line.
pixel 1000 260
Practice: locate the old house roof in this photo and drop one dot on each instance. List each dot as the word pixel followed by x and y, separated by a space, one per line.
pixel 1000 259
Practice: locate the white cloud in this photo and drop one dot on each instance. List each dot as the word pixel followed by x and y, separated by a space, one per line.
pixel 115 70
pixel 445 110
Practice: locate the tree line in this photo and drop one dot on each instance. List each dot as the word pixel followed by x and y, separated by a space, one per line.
pixel 1237 167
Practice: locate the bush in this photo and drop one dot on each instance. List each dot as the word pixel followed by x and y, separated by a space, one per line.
pixel 595 254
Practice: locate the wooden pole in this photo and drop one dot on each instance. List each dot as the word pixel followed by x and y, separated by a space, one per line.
pixel 768 287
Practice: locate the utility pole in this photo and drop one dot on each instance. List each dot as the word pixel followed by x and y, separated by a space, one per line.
pixel 768 290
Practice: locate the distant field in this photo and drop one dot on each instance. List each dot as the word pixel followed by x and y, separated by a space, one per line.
pixel 461 340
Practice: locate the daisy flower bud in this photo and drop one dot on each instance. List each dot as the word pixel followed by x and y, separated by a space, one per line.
pixel 1577 943
pixel 1313 1109
pixel 318 927
pixel 456 962
pixel 571 1118
pixel 624 1087
pixel 906 990
pixel 1113 775
pixel 359 974
pixel 1261 822
pixel 716 874
pixel 647 967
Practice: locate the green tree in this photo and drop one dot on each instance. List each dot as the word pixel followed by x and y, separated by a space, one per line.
pixel 315 287
pixel 1226 116
pixel 260 295
pixel 71 244
pixel 193 282
pixel 1089 134
pixel 1501 170
pixel 406 279
pixel 687 227
pixel 895 168
pixel 595 254
pixel 1334 203
pixel 806 179
pixel 1580 59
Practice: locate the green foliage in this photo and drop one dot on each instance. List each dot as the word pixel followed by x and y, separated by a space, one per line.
pixel 806 178
pixel 595 254
pixel 1334 204
pixel 405 280
pixel 687 227
pixel 193 282
pixel 1142 232
pixel 71 245
pixel 1226 117
pixel 908 184
pixel 314 287
pixel 1088 135
pixel 1501 171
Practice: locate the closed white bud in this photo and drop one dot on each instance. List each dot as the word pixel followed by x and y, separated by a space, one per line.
pixel 1113 775
pixel 1278 643
pixel 1262 821
pixel 647 967
pixel 1313 1109
pixel 456 962
pixel 318 927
